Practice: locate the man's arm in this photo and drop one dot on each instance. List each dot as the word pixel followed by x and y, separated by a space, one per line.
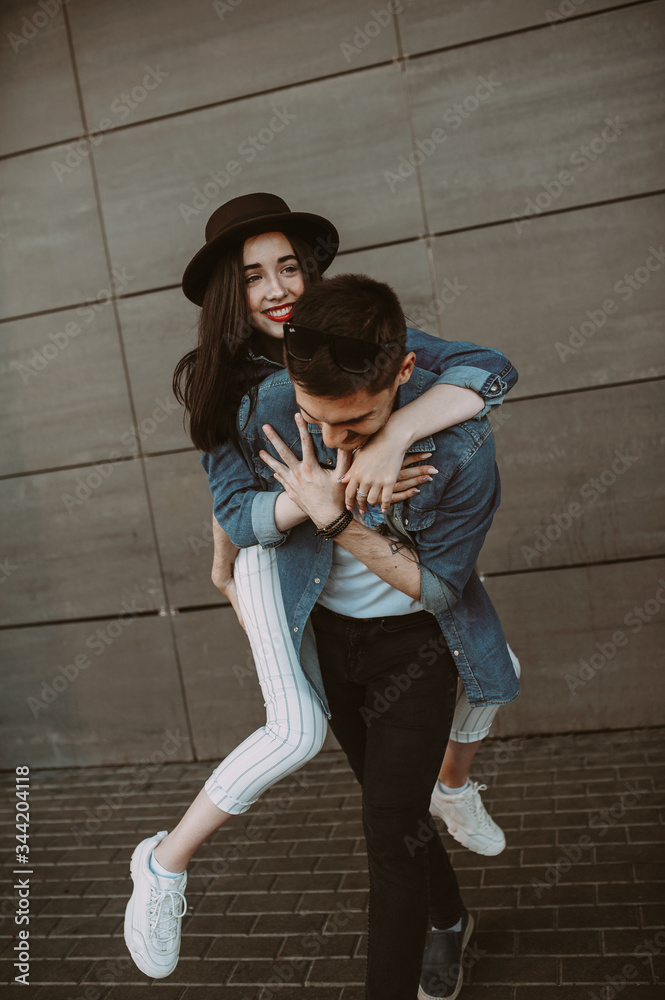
pixel 394 561
pixel 447 550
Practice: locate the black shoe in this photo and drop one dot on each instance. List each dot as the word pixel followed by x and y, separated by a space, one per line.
pixel 443 971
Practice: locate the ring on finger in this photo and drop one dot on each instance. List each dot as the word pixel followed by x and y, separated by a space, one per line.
pixel 359 493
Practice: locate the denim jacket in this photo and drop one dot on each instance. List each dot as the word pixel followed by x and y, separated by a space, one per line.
pixel 447 521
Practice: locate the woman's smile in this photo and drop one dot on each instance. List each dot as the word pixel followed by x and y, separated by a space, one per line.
pixel 279 314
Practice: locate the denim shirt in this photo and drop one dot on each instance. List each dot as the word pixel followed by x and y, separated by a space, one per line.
pixel 447 522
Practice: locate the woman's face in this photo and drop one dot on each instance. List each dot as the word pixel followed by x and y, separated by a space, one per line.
pixel 274 281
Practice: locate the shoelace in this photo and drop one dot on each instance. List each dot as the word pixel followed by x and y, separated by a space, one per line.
pixel 162 924
pixel 477 808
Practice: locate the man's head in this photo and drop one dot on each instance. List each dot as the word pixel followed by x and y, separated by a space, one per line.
pixel 349 406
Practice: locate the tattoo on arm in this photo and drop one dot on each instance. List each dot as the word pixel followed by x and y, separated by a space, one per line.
pixel 404 550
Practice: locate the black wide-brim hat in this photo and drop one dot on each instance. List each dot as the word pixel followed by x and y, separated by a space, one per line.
pixel 251 215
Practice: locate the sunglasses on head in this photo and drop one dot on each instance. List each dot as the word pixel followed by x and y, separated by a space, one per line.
pixel 351 354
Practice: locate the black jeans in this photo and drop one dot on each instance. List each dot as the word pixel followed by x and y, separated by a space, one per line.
pixel 391 684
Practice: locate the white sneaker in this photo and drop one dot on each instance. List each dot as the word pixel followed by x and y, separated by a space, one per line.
pixel 467 819
pixel 154 914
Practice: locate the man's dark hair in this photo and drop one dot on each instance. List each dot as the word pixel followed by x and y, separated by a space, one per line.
pixel 351 305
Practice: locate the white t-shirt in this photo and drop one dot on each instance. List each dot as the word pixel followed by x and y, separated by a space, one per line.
pixel 353 590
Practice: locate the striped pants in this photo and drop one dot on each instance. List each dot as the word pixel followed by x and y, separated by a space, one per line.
pixel 296 724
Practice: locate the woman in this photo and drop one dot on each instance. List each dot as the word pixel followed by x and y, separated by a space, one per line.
pixel 258 258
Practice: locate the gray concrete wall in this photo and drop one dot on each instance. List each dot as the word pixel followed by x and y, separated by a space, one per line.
pixel 510 151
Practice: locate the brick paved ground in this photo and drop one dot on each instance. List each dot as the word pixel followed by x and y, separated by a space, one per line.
pixel 574 900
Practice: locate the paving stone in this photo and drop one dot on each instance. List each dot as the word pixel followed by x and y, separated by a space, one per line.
pixel 265 973
pixel 292 923
pixel 265 902
pixel 495 942
pixel 57 971
pixel 595 970
pixel 627 942
pixel 646 834
pixel 318 946
pixel 543 918
pixel 328 972
pixel 515 970
pixel 653 915
pixel 631 992
pixel 560 942
pixel 317 882
pixel 243 946
pixel 53 992
pixel 638 892
pixel 125 992
pixel 489 992
pixel 569 992
pixel 599 916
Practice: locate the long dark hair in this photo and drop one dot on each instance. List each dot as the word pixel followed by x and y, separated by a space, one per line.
pixel 211 380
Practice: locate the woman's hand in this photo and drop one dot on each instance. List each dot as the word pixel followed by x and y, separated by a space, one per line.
pixel 384 474
pixel 222 577
pixel 223 561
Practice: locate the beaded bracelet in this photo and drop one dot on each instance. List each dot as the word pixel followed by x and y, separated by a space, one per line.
pixel 335 527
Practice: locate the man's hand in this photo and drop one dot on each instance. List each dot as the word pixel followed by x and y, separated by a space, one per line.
pixel 316 491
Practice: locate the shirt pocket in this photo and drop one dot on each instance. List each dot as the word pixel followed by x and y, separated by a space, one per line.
pixel 418 518
pixel 263 471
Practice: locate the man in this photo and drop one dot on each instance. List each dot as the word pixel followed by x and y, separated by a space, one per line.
pixel 393 606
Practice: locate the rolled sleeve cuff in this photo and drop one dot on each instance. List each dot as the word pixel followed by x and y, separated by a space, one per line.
pixel 435 595
pixel 492 387
pixel 263 520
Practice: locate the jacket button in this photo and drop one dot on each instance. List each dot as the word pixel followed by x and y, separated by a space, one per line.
pixel 455 651
pixel 295 629
pixel 317 579
pixel 406 520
